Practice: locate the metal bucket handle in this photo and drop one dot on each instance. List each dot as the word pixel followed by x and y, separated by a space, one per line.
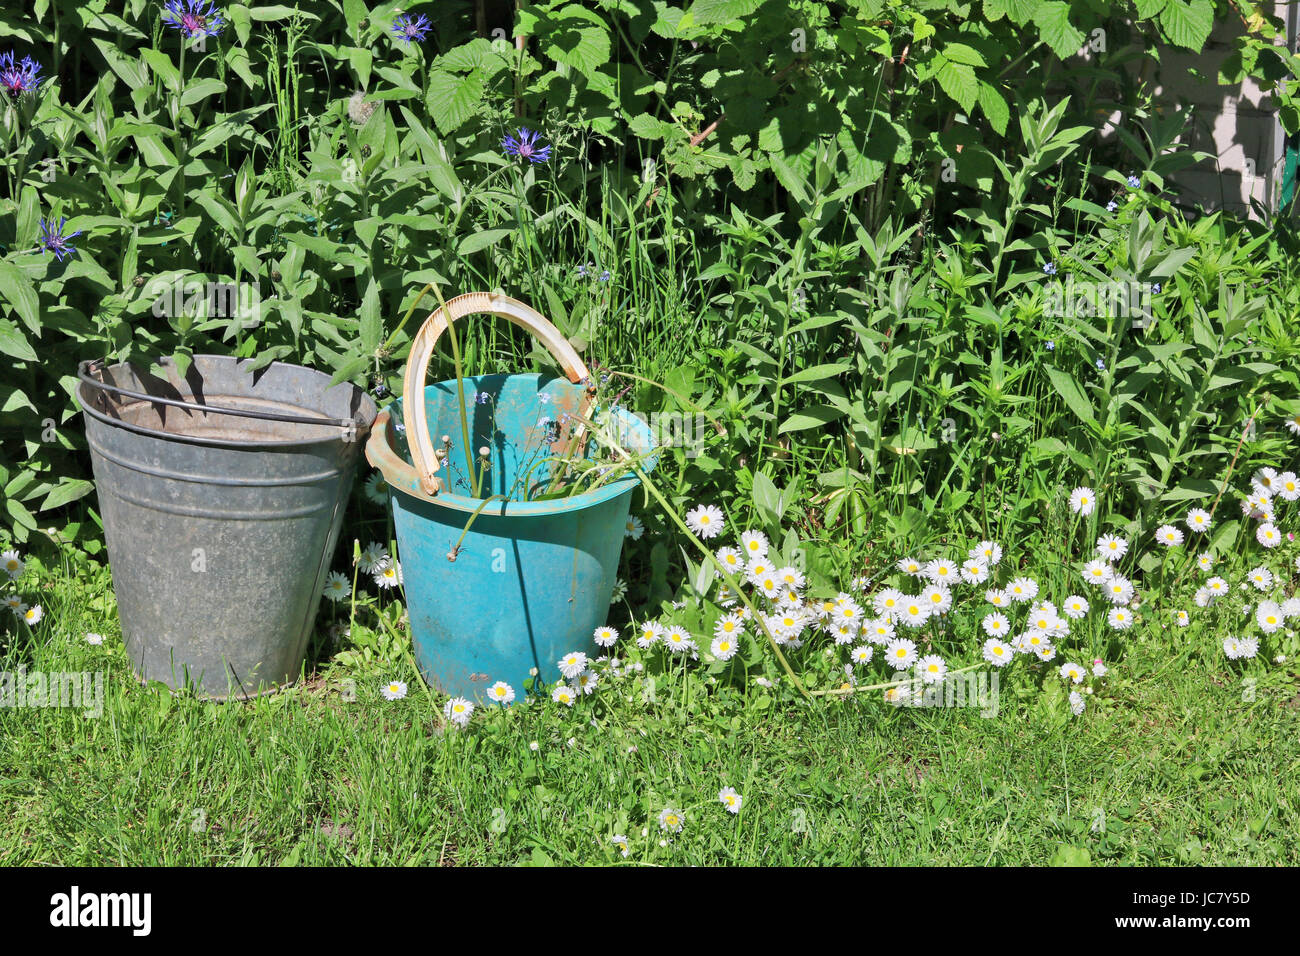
pixel 97 365
pixel 423 459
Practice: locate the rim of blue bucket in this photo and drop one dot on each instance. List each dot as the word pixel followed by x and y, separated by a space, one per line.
pixel 523 509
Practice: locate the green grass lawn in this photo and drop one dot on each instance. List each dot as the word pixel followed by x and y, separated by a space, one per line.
pixel 1180 758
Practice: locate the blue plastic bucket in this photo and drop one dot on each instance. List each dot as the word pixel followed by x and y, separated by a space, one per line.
pixel 532 579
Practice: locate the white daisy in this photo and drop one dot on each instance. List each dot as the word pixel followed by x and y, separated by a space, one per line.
pixel 990 551
pixel 1120 618
pixel 1119 590
pixel 996 625
pixel 1022 590
pixel 862 654
pixel 1293 423
pixel 731 559
pixel 634 528
pixel 932 669
pixel 12 564
pixel 1269 616
pixel 1099 669
pixel 563 694
pixel 1168 535
pixel 729 626
pixel 678 640
pixel 1247 647
pixel 1182 619
pixel 911 567
pixel 671 820
pixel 975 570
pixel 1097 572
pixel 998 653
pixel 390 575
pixel 1288 486
pixel 730 799
pixel 1198 521
pixel 1262 578
pixel 620 841
pixel 754 544
pixel 15 604
pixel 1082 500
pixel 791 577
pixel 1205 561
pixel 648 633
pixel 1232 648
pixel 337 587
pixel 941 571
pixel 394 690
pixel 33 615
pixel 620 589
pixel 586 682
pixel 724 647
pixel 93 638
pixel 937 598
pixel 914 612
pixel 848 613
pixel 996 597
pixel 878 630
pixel 457 710
pixel 1112 547
pixel 572 664
pixel 1076 703
pixel 1268 535
pixel 1076 607
pixel 501 693
pixel 705 520
pixel 605 636
pixel 900 653
pixel 1073 672
pixel 374 557
pixel 377 489
pixel 888 602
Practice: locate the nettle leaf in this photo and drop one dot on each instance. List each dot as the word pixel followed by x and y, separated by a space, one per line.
pixel 1187 24
pixel 1146 9
pixel 1017 11
pixel 958 81
pixel 704 12
pixel 995 108
pixel 579 39
pixel 1056 30
pixel 453 99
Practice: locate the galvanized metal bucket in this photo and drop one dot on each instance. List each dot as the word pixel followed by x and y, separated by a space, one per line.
pixel 222 493
pixel 532 579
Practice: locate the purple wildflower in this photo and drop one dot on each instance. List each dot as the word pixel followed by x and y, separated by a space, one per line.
pixel 18 78
pixel 1134 182
pixel 1112 206
pixel 1050 268
pixel 409 28
pixel 1155 288
pixel 604 276
pixel 53 240
pixel 1051 346
pixel 524 145
pixel 194 18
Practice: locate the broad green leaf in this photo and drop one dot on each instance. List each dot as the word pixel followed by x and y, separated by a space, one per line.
pixel 1053 20
pixel 1071 393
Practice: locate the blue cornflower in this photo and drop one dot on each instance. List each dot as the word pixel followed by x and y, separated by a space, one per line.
pixel 19 78
pixel 1155 288
pixel 194 18
pixel 1134 182
pixel 524 145
pixel 1101 365
pixel 1050 268
pixel 53 240
pixel 1112 206
pixel 409 28
pixel 1050 346
pixel 604 276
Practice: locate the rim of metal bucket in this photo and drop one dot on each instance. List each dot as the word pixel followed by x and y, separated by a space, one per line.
pixel 89 367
